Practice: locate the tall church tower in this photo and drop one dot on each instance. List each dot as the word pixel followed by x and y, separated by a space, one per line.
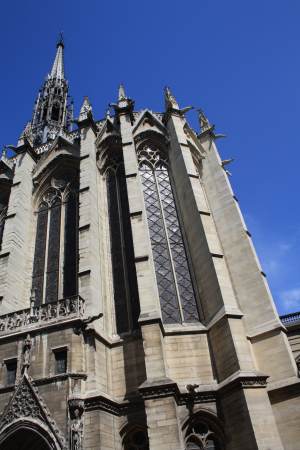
pixel 134 312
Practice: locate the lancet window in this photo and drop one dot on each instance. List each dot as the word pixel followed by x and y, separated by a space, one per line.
pixel 4 197
pixel 122 255
pixel 176 293
pixel 3 210
pixel 55 257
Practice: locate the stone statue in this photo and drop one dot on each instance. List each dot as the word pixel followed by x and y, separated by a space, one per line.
pixel 76 428
pixel 26 354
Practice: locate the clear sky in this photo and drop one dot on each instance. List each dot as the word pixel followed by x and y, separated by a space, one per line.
pixel 238 60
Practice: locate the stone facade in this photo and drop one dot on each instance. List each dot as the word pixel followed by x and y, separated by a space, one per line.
pixel 134 311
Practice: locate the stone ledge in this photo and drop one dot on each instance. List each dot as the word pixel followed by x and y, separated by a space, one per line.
pixel 234 313
pixel 283 384
pixel 265 330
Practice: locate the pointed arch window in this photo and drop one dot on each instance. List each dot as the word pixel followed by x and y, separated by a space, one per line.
pixel 122 256
pixel 3 211
pixel 55 258
pixel 200 435
pixel 176 293
pixel 55 112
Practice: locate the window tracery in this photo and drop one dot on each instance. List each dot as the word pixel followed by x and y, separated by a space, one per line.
pixel 55 258
pixel 176 293
pixel 122 255
pixel 203 434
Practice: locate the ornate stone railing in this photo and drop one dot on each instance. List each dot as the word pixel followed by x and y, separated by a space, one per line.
pixel 290 319
pixel 36 316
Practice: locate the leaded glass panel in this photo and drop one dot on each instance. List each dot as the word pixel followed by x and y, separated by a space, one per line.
pixel 177 297
pixel 179 258
pixel 162 261
pixel 128 247
pixel 52 276
pixel 116 253
pixel 70 247
pixel 39 254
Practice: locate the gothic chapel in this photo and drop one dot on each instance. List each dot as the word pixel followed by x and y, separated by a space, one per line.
pixel 134 312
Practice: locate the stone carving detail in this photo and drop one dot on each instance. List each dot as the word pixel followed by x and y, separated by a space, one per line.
pixel 203 121
pixel 26 356
pixel 170 100
pixel 86 109
pixel 26 403
pixel 76 425
pixel 42 315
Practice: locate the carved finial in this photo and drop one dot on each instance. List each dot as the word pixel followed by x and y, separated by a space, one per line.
pixel 203 121
pixel 170 100
pixel 26 356
pixel 85 110
pixel 124 103
pixel 107 114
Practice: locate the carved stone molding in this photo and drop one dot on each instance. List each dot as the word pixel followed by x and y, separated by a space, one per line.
pixel 43 315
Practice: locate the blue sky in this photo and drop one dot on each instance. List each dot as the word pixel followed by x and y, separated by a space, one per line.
pixel 238 60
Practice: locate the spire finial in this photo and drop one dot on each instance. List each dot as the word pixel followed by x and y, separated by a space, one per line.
pixel 85 110
pixel 60 40
pixel 57 70
pixel 122 95
pixel 170 100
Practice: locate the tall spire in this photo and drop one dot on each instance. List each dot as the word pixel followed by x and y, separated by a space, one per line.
pixel 53 111
pixel 57 70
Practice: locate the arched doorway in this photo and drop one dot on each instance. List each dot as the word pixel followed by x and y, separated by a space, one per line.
pixel 26 438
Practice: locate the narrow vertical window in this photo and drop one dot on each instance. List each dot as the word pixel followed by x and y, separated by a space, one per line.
pixel 52 277
pixel 39 254
pixel 55 257
pixel 11 371
pixel 60 361
pixel 70 246
pixel 3 211
pixel 177 297
pixel 122 258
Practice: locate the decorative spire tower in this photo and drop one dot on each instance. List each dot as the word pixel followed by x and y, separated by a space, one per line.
pixel 52 110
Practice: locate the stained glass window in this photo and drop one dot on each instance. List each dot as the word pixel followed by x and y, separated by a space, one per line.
pixel 52 246
pixel 199 435
pixel 52 277
pixel 39 254
pixel 70 246
pixel 176 293
pixel 122 255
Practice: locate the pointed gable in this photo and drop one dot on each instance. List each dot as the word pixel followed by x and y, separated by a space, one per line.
pixel 26 403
